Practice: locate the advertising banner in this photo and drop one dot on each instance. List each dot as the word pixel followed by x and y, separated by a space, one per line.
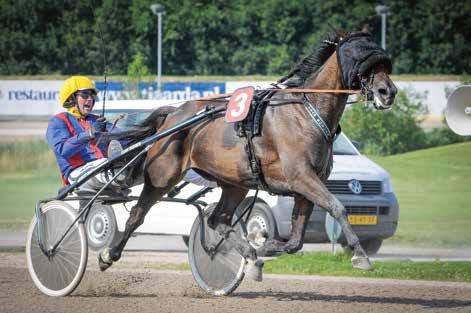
pixel 41 97
pixel 29 97
pixel 170 91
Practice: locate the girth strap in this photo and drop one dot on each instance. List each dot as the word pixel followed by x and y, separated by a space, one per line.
pixel 250 128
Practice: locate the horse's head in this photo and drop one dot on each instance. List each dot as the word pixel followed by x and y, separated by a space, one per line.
pixel 364 65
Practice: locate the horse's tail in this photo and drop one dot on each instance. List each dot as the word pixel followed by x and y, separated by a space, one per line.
pixel 149 126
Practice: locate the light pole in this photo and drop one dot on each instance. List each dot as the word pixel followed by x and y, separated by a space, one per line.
pixel 383 10
pixel 159 10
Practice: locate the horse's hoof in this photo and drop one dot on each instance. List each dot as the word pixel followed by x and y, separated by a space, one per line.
pixel 255 270
pixel 271 248
pixel 361 263
pixel 257 237
pixel 104 260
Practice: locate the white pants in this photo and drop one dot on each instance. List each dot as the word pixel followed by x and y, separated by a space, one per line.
pixel 97 181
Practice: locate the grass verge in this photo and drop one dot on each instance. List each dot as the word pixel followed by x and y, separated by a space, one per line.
pixel 20 191
pixel 432 187
pixel 326 264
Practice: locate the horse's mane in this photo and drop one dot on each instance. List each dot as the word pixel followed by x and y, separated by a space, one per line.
pixel 298 75
pixel 147 127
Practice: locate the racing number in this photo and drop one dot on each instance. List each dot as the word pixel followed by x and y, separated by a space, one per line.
pixel 239 104
pixel 240 100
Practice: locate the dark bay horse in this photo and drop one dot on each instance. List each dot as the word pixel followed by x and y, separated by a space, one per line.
pixel 295 154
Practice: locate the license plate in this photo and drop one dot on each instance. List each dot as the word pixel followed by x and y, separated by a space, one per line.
pixel 363 219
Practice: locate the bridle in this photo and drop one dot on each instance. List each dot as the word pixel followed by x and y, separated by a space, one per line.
pixel 366 86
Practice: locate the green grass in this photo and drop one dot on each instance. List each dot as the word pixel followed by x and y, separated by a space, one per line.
pixel 326 264
pixel 23 156
pixel 28 173
pixel 168 266
pixel 20 191
pixel 433 189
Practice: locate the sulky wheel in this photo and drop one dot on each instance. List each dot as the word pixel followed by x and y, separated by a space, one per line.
pixel 221 274
pixel 60 273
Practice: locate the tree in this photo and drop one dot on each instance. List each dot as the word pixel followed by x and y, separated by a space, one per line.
pixel 136 70
pixel 203 37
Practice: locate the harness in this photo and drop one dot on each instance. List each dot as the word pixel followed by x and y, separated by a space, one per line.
pixel 252 127
pixel 355 57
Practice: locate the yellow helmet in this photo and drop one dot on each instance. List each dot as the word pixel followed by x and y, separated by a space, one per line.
pixel 73 84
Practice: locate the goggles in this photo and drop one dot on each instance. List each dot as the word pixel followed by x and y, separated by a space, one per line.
pixel 85 95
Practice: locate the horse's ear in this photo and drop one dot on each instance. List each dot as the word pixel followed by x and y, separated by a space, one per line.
pixel 338 32
pixel 366 29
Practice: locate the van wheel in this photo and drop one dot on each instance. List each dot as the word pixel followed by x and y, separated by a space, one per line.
pixel 371 246
pixel 261 219
pixel 101 227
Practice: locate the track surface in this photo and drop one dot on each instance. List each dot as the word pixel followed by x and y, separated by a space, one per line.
pixel 129 287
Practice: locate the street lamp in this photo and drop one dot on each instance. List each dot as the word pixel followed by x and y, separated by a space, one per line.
pixel 383 10
pixel 159 10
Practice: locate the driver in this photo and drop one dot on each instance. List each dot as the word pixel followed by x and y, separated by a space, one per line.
pixel 76 135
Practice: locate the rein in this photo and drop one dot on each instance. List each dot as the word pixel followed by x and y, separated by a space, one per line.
pixel 286 90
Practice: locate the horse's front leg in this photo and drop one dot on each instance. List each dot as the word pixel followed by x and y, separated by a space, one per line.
pixel 309 185
pixel 300 217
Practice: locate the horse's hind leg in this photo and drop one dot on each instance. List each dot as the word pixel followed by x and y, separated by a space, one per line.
pixel 300 217
pixel 221 221
pixel 159 179
pixel 149 196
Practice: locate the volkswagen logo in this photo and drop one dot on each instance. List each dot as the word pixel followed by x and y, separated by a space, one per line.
pixel 355 186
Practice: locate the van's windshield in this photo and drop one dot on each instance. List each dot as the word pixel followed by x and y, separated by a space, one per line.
pixel 343 146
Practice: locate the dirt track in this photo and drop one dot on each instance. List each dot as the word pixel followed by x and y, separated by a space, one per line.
pixel 127 289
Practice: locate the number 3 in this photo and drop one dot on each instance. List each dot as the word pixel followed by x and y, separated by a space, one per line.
pixel 241 100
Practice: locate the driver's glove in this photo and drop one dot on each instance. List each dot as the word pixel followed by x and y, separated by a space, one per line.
pixel 98 127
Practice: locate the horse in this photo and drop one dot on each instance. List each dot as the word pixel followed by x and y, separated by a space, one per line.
pixel 293 152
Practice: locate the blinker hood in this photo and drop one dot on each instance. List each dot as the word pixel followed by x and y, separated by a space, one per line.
pixel 357 54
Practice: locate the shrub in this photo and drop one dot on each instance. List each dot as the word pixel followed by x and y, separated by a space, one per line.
pixel 387 132
pixel 25 155
pixel 396 130
pixel 444 136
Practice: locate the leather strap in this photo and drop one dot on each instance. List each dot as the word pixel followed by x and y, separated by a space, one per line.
pixel 316 117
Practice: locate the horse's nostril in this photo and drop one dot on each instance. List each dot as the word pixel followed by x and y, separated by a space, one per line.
pixel 383 91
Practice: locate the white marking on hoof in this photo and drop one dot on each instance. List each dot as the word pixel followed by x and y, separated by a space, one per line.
pixel 255 270
pixel 257 238
pixel 104 260
pixel 361 263
pixel 105 256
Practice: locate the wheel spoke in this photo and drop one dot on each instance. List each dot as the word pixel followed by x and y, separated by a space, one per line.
pixel 57 275
pixel 219 275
